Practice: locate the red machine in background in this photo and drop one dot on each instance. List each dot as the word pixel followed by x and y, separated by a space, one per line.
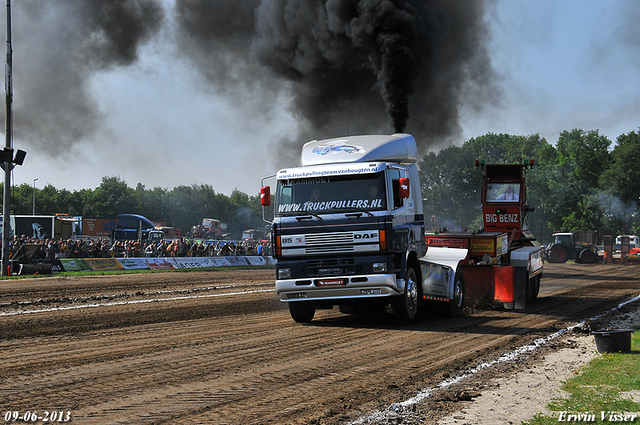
pixel 209 228
pixel 504 260
pixel 504 202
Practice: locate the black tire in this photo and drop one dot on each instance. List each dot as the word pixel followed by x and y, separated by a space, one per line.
pixel 546 254
pixel 455 307
pixel 302 311
pixel 558 254
pixel 588 257
pixel 405 307
pixel 533 288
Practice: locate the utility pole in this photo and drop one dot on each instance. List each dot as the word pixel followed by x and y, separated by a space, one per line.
pixel 7 161
pixel 6 164
pixel 34 196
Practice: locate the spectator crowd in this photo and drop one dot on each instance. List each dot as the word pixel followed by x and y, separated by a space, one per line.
pixel 104 248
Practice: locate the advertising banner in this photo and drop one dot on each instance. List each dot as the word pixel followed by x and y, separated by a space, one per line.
pixel 238 261
pixel 98 227
pixel 134 263
pixel 189 263
pixel 75 264
pixel 57 267
pixel 36 227
pixel 483 246
pixel 218 261
pixel 256 261
pixel 103 264
pixel 159 263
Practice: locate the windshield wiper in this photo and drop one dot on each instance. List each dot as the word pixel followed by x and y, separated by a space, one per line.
pixel 308 216
pixel 358 213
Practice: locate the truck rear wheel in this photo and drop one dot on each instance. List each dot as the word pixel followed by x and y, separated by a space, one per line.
pixel 533 288
pixel 302 311
pixel 455 307
pixel 405 307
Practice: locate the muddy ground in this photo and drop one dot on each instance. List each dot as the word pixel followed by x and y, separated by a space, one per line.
pixel 219 347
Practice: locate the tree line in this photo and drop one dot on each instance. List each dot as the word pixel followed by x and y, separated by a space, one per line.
pixel 580 183
pixel 180 207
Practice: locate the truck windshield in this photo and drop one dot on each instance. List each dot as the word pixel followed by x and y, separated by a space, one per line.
pixel 336 194
pixel 503 192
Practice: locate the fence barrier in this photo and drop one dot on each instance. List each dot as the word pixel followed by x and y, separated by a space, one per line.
pixel 155 263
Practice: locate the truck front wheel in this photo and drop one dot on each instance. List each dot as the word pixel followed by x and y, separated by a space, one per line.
pixel 405 307
pixel 302 311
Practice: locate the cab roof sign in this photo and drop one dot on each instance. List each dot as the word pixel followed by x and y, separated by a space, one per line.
pixel 400 148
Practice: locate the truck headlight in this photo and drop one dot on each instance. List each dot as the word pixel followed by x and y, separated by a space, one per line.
pixel 284 273
pixel 379 267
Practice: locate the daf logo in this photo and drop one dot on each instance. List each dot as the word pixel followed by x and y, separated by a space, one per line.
pixel 365 236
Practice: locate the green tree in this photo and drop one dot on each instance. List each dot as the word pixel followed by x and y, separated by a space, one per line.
pixel 622 179
pixel 180 207
pixel 112 197
pixel 247 213
pixel 21 199
pixel 152 203
pixel 620 185
pixel 450 188
pixel 582 157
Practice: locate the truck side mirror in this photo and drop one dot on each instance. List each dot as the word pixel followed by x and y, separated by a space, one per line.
pixel 404 187
pixel 265 196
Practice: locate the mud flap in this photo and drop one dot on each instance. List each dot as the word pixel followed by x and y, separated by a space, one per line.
pixel 511 286
pixel 438 269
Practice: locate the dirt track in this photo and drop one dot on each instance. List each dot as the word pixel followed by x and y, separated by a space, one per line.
pixel 218 347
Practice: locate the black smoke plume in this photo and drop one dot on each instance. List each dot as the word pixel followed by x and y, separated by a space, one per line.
pixel 58 46
pixel 349 66
pixel 342 66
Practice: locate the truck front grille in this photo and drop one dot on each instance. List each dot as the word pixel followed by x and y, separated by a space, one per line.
pixel 331 243
pixel 329 238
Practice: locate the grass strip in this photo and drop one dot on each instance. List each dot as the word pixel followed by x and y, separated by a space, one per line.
pixel 596 395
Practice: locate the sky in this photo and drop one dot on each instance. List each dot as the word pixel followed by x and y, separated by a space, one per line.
pixel 164 111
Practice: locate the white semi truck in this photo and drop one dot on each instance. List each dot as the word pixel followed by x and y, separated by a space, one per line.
pixel 348 230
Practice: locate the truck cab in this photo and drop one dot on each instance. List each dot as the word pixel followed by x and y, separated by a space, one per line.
pixel 348 226
pixel 136 227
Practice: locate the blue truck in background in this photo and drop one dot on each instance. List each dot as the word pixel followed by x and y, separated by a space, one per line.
pixel 136 227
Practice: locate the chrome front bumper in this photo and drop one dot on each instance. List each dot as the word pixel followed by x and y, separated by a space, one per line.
pixel 359 286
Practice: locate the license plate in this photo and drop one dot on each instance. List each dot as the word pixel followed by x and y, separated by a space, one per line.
pixel 332 270
pixel 330 282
